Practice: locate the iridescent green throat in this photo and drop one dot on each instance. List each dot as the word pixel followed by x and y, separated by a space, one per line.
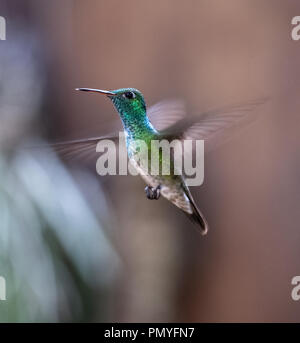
pixel 133 114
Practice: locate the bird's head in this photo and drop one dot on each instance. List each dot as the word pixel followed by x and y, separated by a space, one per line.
pixel 129 102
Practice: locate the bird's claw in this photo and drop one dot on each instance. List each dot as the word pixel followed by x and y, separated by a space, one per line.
pixel 152 192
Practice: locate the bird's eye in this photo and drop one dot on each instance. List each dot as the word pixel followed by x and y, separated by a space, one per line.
pixel 129 95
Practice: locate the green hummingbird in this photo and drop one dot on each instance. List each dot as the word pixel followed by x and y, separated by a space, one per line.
pixel 171 123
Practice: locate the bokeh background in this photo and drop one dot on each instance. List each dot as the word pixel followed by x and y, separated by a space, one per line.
pixel 78 247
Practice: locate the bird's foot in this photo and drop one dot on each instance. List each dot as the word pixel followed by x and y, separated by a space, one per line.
pixel 152 192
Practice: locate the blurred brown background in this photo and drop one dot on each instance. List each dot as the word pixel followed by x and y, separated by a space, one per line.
pixel 209 53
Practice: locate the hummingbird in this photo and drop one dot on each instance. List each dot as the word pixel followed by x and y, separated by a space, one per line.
pixel 164 120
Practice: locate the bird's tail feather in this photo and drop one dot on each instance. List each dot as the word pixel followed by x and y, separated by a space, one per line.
pixel 196 216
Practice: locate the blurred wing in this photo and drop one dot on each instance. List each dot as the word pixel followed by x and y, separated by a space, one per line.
pixel 214 124
pixel 166 113
pixel 84 149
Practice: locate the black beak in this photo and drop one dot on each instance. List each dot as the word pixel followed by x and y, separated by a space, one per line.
pixel 108 93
